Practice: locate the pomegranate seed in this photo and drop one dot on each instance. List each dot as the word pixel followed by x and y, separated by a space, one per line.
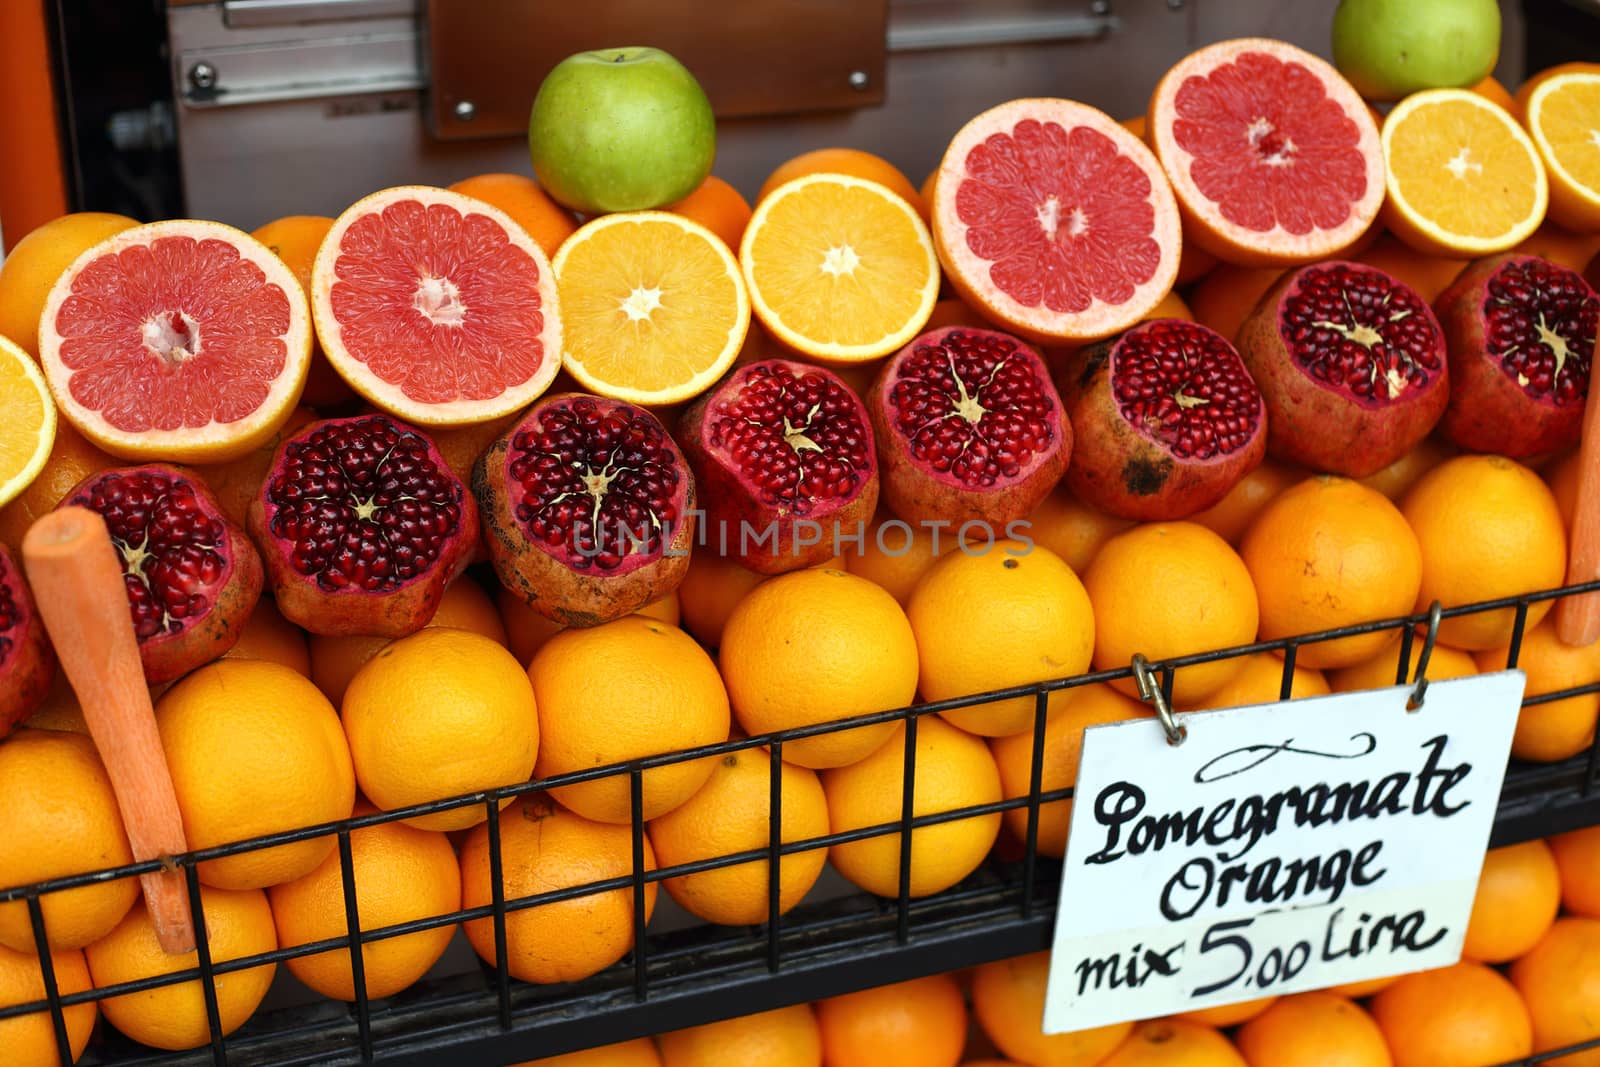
pixel 1186 387
pixel 363 505
pixel 598 484
pixel 972 407
pixel 10 618
pixel 1541 321
pixel 1355 328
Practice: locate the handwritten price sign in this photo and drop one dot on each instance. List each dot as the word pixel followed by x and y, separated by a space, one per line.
pixel 1280 848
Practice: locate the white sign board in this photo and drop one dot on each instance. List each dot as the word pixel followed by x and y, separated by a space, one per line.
pixel 1279 848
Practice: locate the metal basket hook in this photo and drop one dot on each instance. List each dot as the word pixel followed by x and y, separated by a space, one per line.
pixel 1150 692
pixel 1420 678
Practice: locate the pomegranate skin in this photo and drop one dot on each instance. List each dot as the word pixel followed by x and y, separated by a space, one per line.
pixel 346 610
pixel 558 580
pixel 1123 470
pixel 27 660
pixel 778 393
pixel 1489 410
pixel 913 487
pixel 232 594
pixel 1325 425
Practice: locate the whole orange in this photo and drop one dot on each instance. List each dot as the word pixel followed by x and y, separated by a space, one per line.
pixel 72 459
pixel 1519 893
pixel 464 606
pixel 30 1040
pixel 1558 245
pixel 1577 855
pixel 1231 516
pixel 1379 670
pixel 29 271
pixel 1464 1015
pixel 632 687
pixel 1395 480
pixel 1174 1042
pixel 953 770
pixel 401 874
pixel 894 555
pixel 640 1052
pixel 1261 682
pixel 1206 601
pixel 1071 529
pixel 988 620
pixel 1428 274
pixel 783 1037
pixel 268 635
pixel 1225 1015
pixel 1008 1001
pixel 1319 1029
pixel 439 714
pixel 254 749
pixel 547 222
pixel 527 630
pixel 718 207
pixel 1488 528
pixel 1562 478
pixel 815 646
pixel 711 589
pixel 920 1023
pixel 1330 552
pixel 851 161
pixel 732 813
pixel 1072 710
pixel 296 239
pixel 1558 729
pixel 1560 981
pixel 544 847
pixel 1224 298
pixel 1366 988
pixel 238 924
pixel 61 818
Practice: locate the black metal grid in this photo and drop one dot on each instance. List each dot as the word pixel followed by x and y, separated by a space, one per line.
pixel 710 972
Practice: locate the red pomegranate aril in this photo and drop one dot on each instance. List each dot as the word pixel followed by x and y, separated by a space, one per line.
pixel 191 575
pixel 587 503
pixel 1521 337
pixel 1351 365
pixel 775 445
pixel 968 427
pixel 27 662
pixel 1166 420
pixel 362 524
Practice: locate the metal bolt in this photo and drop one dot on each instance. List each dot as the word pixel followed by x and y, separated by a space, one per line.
pixel 859 79
pixel 466 110
pixel 203 75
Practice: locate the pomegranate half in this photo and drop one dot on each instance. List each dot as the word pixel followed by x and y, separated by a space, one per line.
pixel 191 574
pixel 1521 336
pixel 1351 364
pixel 362 524
pixel 969 428
pixel 588 506
pixel 1165 418
pixel 784 462
pixel 27 662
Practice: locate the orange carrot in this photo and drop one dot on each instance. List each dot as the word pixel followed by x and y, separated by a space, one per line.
pixel 78 587
pixel 1578 617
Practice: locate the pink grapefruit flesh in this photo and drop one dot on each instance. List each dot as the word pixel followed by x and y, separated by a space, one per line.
pixel 436 307
pixel 1055 221
pixel 180 340
pixel 1274 158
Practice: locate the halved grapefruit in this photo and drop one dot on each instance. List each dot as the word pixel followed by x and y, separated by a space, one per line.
pixel 436 307
pixel 1054 221
pixel 180 340
pixel 1273 156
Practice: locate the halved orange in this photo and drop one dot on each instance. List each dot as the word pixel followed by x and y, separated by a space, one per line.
pixel 839 268
pixel 1463 178
pixel 182 340
pixel 1564 121
pixel 653 307
pixel 27 421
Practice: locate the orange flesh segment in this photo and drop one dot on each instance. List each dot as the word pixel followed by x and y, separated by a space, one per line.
pixel 1460 167
pixel 1569 120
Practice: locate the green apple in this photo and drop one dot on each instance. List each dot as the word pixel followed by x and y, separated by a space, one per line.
pixel 621 129
pixel 1391 48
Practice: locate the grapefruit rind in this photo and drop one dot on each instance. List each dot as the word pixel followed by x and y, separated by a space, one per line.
pixel 1424 235
pixel 387 396
pixel 737 329
pixel 1574 204
pixel 1203 224
pixel 831 352
pixel 215 442
pixel 15 362
pixel 962 265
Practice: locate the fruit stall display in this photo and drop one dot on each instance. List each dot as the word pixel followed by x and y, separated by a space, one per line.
pixel 492 563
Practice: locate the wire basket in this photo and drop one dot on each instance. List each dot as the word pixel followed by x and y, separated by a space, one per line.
pixel 698 975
